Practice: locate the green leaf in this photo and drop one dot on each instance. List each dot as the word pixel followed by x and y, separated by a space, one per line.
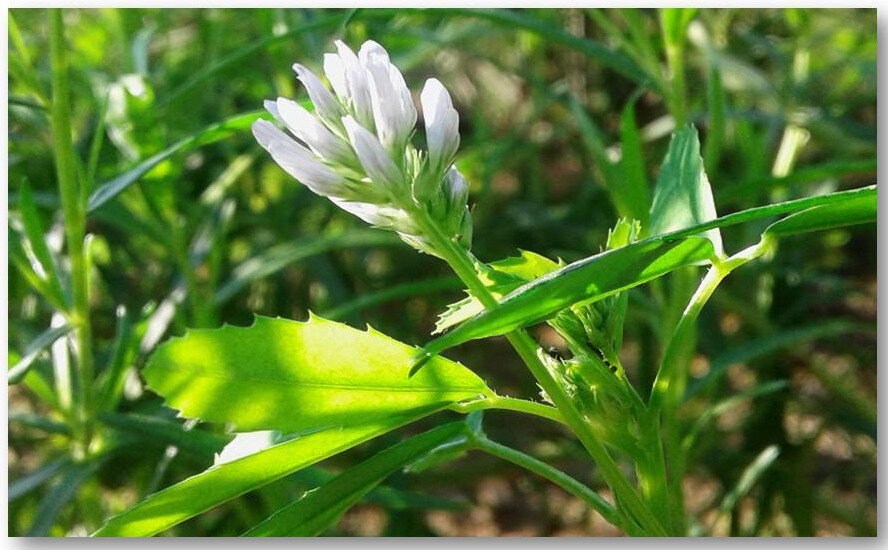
pixel 675 24
pixel 210 134
pixel 599 276
pixel 682 197
pixel 37 239
pixel 289 376
pixel 387 497
pixel 23 485
pixel 143 427
pixel 504 276
pixel 851 212
pixel 750 475
pixel 555 33
pixel 321 508
pixel 807 174
pixel 282 255
pixel 634 183
pixel 212 487
pixel 393 292
pixel 59 495
pixel 43 341
pixel 770 343
pixel 586 280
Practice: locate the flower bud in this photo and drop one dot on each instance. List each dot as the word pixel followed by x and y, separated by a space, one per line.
pixel 442 124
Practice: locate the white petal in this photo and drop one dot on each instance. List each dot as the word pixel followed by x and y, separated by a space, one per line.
pixel 378 215
pixel 309 129
pixel 373 156
pixel 371 48
pixel 393 109
pixel 325 104
pixel 335 71
pixel 358 81
pixel 442 123
pixel 272 108
pixel 298 161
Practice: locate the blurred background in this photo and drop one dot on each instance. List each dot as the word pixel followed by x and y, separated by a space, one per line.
pixel 193 225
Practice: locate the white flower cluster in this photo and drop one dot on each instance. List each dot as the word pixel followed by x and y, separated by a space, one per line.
pixel 355 147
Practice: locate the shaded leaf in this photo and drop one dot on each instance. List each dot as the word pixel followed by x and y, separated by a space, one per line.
pixel 212 487
pixel 321 508
pixel 164 431
pixel 210 134
pixel 282 255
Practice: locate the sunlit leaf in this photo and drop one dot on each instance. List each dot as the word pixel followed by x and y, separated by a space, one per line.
pixel 604 274
pixel 682 197
pixel 586 280
pixel 290 376
pixel 855 211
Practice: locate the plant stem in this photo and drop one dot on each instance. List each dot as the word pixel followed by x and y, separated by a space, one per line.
pixel 73 210
pixel 556 476
pixel 510 404
pixel 462 263
pixel 669 385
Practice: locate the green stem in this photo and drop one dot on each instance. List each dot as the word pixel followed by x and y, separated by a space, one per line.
pixel 671 379
pixel 556 476
pixel 74 212
pixel 510 404
pixel 463 265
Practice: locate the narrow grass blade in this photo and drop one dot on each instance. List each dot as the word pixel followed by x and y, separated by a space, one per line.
pixel 212 487
pixel 43 341
pixel 321 508
pixel 283 255
pixel 210 134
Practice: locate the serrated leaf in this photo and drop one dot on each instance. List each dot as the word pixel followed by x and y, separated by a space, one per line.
pixel 683 197
pixel 290 376
pixel 321 508
pixel 212 487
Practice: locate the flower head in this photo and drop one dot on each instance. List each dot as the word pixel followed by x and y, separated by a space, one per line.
pixel 354 147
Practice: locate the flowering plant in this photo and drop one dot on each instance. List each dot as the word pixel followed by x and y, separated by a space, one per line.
pixel 326 387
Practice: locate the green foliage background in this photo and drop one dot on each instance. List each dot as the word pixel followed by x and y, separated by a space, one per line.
pixel 206 229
